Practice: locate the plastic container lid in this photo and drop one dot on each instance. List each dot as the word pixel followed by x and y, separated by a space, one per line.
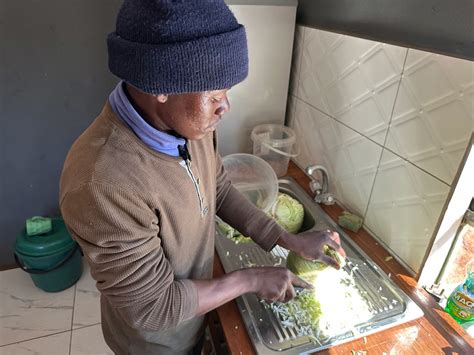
pixel 56 241
pixel 275 135
pixel 253 177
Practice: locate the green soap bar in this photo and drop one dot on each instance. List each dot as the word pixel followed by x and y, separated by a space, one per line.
pixel 350 221
pixel 38 225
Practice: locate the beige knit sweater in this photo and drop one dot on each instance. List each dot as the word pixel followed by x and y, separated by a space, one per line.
pixel 146 230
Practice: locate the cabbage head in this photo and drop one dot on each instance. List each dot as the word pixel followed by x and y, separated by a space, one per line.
pixel 309 270
pixel 288 212
pixel 306 269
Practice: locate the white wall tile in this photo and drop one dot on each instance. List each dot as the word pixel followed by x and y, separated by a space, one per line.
pixel 350 158
pixel 57 344
pixel 355 82
pixel 370 115
pixel 315 72
pixel 27 312
pixel 87 301
pixel 404 208
pixel 351 79
pixel 89 340
pixel 304 125
pixel 382 64
pixel 433 117
pixel 329 39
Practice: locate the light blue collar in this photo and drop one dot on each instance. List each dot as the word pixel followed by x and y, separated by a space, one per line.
pixel 157 140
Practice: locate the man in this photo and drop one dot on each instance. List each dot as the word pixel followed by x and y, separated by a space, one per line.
pixel 141 186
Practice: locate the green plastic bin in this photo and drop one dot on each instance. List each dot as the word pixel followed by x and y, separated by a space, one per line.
pixel 53 260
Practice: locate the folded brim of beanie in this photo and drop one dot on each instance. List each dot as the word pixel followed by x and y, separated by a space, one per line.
pixel 208 63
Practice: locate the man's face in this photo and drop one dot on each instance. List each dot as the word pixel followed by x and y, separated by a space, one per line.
pixel 194 115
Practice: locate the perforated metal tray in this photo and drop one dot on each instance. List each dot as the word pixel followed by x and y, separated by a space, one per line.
pixel 390 305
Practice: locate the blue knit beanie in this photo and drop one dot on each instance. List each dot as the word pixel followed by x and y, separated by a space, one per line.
pixel 178 46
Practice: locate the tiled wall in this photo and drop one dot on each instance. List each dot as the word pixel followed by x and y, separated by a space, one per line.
pixel 391 125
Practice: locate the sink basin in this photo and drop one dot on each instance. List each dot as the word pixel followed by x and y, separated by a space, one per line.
pixel 389 304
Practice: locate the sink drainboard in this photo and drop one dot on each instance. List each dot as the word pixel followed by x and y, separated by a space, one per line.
pixel 390 305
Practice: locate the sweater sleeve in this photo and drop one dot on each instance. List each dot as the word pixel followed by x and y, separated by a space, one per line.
pixel 236 210
pixel 119 235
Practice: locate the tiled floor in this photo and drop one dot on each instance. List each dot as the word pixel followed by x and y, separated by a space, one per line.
pixel 36 322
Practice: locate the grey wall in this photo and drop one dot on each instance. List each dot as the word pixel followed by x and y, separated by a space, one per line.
pixel 440 26
pixel 53 82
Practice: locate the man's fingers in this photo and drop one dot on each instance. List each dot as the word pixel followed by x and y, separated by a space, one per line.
pixel 299 282
pixel 290 293
pixel 282 296
pixel 334 236
pixel 336 246
pixel 333 244
pixel 330 261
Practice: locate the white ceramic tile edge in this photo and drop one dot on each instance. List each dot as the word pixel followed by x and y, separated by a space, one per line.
pixel 36 338
pixel 70 331
pixel 63 338
pixel 299 57
pixel 460 196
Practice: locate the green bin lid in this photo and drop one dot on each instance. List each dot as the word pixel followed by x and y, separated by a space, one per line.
pixel 56 241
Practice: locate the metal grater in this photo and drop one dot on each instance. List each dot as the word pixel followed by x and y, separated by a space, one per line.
pixel 388 303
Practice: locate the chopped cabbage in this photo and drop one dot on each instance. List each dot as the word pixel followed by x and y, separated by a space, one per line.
pixel 231 233
pixel 332 308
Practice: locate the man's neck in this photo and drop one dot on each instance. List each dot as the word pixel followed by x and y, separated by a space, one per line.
pixel 145 105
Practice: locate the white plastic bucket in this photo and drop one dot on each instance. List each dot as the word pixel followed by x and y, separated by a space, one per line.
pixel 274 143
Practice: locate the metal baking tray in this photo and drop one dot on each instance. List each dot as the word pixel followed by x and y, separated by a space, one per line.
pixel 389 304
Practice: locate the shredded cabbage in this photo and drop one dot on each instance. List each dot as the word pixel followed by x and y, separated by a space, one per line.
pixel 231 233
pixel 332 308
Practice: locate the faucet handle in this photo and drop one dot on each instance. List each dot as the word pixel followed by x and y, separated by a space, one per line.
pixel 315 187
pixel 325 198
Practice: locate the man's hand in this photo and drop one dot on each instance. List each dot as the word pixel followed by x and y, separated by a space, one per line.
pixel 274 283
pixel 310 245
pixel 269 283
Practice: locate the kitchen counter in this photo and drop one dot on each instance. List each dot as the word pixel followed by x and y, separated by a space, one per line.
pixel 434 333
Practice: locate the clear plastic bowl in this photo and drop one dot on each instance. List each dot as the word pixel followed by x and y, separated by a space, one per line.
pixel 253 177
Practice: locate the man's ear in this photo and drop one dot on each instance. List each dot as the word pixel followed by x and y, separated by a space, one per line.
pixel 162 98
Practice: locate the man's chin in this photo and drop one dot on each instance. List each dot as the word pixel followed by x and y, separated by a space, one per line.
pixel 202 134
pixel 210 129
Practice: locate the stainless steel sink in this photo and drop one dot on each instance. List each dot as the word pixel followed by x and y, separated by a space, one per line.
pixel 390 305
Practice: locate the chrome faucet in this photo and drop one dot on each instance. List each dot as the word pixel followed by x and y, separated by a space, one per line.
pixel 320 187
